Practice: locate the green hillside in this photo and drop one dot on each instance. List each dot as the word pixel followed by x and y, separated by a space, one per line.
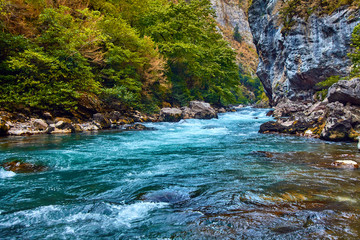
pixel 139 54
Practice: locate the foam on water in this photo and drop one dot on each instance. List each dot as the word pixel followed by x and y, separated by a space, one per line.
pixel 6 174
pixel 129 213
pixel 68 220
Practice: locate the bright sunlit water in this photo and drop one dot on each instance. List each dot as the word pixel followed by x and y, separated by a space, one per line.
pixel 196 179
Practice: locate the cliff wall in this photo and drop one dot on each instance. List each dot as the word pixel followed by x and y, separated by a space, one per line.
pixel 232 13
pixel 293 60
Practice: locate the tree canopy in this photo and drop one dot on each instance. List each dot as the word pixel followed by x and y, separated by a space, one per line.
pixel 139 53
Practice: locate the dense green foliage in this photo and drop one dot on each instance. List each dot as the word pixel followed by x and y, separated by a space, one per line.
pixel 255 87
pixel 237 35
pixel 355 54
pixel 201 63
pixel 138 53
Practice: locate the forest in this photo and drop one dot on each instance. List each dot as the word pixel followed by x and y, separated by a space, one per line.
pixel 138 54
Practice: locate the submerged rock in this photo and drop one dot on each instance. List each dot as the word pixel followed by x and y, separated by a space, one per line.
pixel 347 164
pixel 264 154
pixel 167 196
pixel 23 167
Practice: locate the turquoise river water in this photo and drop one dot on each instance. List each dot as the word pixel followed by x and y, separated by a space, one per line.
pixel 195 179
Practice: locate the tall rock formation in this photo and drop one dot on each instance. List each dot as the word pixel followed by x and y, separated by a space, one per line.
pixel 292 61
pixel 232 13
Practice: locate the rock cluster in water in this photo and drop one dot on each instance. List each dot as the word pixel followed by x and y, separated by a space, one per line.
pixel 18 124
pixel 337 118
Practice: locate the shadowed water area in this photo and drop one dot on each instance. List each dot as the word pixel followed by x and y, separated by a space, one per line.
pixel 196 179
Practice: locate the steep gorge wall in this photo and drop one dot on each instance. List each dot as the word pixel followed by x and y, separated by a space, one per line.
pixel 291 62
pixel 232 13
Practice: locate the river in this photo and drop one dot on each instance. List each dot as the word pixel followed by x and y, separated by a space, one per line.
pixel 195 179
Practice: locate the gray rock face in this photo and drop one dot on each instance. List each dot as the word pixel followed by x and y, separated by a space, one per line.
pixel 291 63
pixel 196 109
pixel 332 121
pixel 186 113
pixel 230 13
pixel 345 92
pixel 170 114
pixel 202 110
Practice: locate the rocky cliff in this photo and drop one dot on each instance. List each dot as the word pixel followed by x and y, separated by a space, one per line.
pixel 232 13
pixel 293 60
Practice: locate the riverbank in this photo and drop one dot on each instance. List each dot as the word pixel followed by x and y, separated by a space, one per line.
pixel 19 124
pixel 337 118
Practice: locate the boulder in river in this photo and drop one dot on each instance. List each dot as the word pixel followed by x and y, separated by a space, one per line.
pixel 23 167
pixel 187 113
pixel 270 113
pixel 345 92
pixel 40 124
pixel 196 109
pixel 202 110
pixel 64 124
pixel 102 120
pixel 336 129
pixel 348 164
pixel 88 127
pixel 271 127
pixel 137 127
pixel 170 114
pixel 221 110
